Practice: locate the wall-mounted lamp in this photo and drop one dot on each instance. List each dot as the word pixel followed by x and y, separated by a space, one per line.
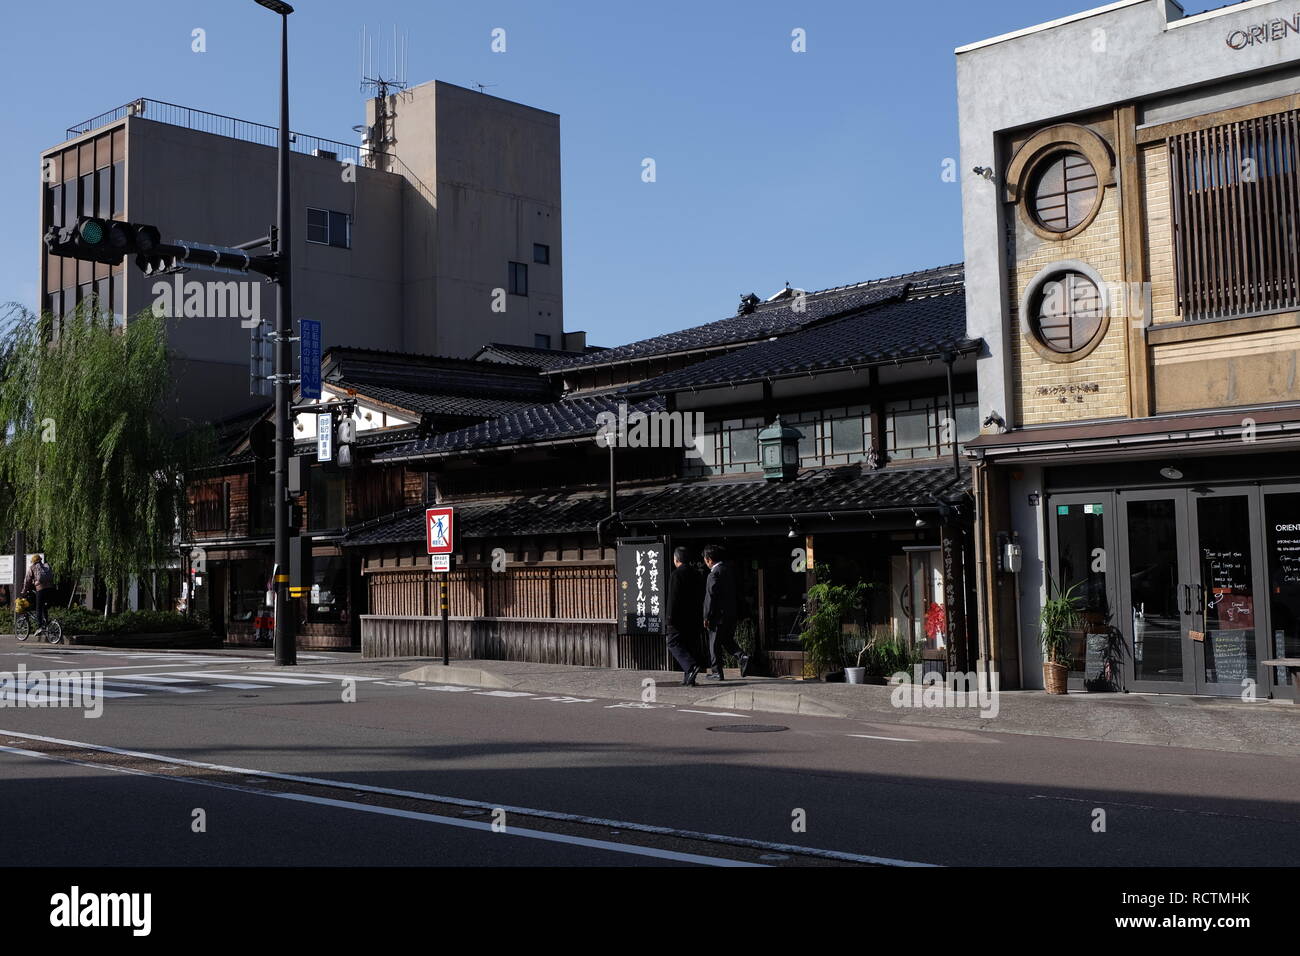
pixel 1034 498
pixel 1170 472
pixel 984 171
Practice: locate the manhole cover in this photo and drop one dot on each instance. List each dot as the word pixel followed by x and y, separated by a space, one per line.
pixel 748 728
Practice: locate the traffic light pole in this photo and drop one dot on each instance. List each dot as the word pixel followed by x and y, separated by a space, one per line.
pixel 286 651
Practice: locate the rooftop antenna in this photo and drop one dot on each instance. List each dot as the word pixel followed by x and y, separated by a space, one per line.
pixel 482 87
pixel 383 72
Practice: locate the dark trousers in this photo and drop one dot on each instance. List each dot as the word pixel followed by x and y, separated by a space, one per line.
pixel 680 646
pixel 42 612
pixel 721 639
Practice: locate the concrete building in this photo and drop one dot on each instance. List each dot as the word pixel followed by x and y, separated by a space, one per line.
pixel 440 234
pixel 1131 199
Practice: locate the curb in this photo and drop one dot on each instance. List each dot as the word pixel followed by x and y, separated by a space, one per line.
pixel 746 698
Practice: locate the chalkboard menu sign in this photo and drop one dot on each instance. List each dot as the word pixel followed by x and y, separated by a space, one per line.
pixel 1233 660
pixel 1286 554
pixel 639 564
pixel 1096 656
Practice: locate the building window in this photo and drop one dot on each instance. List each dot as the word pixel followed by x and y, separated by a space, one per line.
pixel 376 491
pixel 104 192
pixel 1067 312
pixel 212 507
pixel 541 254
pixel 54 215
pixel 119 189
pixel 1063 192
pixel 541 341
pixel 518 278
pixel 328 228
pixel 1236 217
pixel 249 581
pixel 327 599
pixel 88 194
pixel 923 427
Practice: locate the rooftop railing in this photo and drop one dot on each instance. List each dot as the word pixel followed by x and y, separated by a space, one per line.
pixel 202 121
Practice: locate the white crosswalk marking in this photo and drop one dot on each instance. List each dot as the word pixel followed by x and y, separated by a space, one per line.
pixel 269 680
pixel 311 674
pixel 502 693
pixel 450 688
pixel 160 678
pixel 239 686
pixel 160 688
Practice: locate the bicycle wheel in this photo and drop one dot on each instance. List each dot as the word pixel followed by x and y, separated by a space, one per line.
pixel 22 626
pixel 54 632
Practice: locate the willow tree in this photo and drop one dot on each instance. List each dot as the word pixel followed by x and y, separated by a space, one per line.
pixel 92 459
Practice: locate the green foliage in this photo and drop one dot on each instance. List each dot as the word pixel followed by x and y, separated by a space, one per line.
pixel 1059 616
pixel 91 466
pixel 829 607
pixel 78 620
pixel 884 654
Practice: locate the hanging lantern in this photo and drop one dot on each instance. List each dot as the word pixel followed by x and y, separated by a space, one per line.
pixel 778 449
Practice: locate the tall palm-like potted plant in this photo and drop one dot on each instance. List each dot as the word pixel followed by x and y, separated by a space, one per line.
pixel 1059 616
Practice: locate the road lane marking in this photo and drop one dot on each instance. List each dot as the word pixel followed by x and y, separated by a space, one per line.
pixel 242 686
pixel 483 805
pixel 268 680
pixel 502 693
pixel 525 833
pixel 901 740
pixel 711 713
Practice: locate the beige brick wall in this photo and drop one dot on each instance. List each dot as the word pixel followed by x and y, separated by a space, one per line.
pixel 1106 366
pixel 1159 235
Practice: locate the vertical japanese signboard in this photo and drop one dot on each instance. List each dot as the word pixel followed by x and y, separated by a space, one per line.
pixel 642 585
pixel 309 357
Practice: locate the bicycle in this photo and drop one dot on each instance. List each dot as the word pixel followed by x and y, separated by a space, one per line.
pixel 25 625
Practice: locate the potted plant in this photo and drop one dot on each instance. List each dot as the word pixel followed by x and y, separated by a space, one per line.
pixel 829 606
pixel 858 674
pixel 1059 616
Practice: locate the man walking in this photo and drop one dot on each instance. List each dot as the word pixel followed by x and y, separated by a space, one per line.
pixel 39 581
pixel 685 611
pixel 721 603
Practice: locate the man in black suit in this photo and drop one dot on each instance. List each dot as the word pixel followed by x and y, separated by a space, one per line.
pixel 721 609
pixel 685 603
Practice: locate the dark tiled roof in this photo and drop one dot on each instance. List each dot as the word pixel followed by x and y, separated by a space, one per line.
pixel 769 318
pixel 436 375
pixel 539 514
pixel 813 493
pixel 437 403
pixel 552 421
pixel 885 332
pixel 526 355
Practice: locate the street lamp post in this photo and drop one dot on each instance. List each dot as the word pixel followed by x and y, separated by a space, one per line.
pixel 285 648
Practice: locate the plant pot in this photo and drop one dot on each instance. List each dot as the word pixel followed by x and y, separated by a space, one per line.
pixel 855 675
pixel 1056 678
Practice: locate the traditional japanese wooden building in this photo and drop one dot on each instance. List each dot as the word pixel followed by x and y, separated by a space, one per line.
pixel 876 382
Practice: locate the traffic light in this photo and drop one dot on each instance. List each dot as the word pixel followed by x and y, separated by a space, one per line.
pixel 103 240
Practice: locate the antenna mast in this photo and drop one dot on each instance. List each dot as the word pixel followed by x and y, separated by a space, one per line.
pixel 383 73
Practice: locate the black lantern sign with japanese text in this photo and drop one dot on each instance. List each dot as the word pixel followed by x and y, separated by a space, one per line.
pixel 642 585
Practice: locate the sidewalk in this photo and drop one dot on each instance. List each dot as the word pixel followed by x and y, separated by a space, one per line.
pixel 1225 724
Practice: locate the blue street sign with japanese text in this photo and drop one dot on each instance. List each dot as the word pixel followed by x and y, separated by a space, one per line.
pixel 309 357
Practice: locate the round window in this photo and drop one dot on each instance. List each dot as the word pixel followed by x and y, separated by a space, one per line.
pixel 1067 311
pixel 1063 192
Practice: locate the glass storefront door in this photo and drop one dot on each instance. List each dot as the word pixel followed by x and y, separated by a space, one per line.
pixel 1228 580
pixel 1205 583
pixel 1157 601
pixel 1282 550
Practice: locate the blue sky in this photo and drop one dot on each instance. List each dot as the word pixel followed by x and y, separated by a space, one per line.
pixel 818 168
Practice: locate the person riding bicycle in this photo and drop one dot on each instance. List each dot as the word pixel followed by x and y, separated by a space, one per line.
pixel 40 582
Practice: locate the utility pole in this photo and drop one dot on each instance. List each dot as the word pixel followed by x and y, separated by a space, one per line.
pixel 286 651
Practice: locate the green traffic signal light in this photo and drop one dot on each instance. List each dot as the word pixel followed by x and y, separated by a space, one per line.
pixel 91 231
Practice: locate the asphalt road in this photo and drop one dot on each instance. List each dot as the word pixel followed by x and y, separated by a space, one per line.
pixel 874 792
